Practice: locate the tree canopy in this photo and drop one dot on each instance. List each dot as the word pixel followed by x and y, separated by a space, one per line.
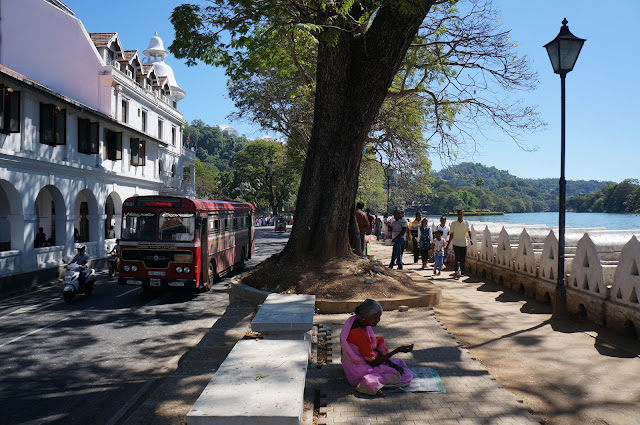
pixel 266 174
pixel 378 73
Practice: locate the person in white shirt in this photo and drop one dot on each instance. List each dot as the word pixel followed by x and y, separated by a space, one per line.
pixel 387 226
pixel 458 235
pixel 444 228
pixel 398 235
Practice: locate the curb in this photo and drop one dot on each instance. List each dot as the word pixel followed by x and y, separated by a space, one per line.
pixel 430 298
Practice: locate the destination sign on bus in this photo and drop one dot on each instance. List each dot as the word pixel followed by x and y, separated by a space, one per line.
pixel 158 202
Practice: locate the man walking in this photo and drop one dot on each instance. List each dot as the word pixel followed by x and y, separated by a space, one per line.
pixel 458 235
pixel 398 234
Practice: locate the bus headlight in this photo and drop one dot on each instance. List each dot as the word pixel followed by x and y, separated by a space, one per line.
pixel 179 269
pixel 187 269
pixel 134 268
pixel 127 268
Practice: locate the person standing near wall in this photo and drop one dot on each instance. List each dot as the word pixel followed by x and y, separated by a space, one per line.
pixel 41 238
pixel 458 235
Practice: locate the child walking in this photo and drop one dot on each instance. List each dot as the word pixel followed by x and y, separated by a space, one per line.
pixel 437 246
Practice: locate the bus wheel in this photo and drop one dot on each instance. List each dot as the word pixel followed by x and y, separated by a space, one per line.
pixel 210 278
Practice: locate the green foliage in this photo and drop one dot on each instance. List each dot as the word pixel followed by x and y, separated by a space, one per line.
pixel 215 151
pixel 269 51
pixel 623 197
pixel 266 174
pixel 486 188
pixel 213 146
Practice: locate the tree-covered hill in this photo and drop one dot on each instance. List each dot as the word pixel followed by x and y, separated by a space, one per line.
pixel 623 197
pixel 476 186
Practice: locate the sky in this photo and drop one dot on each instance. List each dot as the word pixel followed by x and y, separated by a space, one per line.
pixel 602 109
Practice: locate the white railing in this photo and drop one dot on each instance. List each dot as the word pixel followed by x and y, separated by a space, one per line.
pixel 188 154
pixel 602 276
pixel 49 256
pixel 10 262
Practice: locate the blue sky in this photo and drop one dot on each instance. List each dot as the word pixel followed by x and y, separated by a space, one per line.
pixel 602 92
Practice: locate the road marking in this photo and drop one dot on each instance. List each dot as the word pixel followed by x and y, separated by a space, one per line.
pixel 129 404
pixel 30 292
pixel 128 292
pixel 33 332
pixel 31 308
pixel 47 419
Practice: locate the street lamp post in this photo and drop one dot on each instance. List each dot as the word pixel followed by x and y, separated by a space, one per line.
pixel 563 52
pixel 388 172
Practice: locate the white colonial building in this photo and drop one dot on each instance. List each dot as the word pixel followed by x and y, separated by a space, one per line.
pixel 84 124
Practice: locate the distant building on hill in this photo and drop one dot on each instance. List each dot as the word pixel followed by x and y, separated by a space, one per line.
pixel 84 124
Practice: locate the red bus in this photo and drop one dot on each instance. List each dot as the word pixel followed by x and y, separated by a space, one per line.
pixel 169 241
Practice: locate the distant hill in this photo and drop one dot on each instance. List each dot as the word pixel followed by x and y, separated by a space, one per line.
pixel 476 186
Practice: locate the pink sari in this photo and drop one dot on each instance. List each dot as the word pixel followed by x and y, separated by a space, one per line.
pixel 368 379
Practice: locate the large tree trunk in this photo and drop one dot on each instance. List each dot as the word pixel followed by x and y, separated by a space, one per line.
pixel 353 77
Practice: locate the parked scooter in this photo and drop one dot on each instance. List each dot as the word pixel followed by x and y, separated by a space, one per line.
pixel 72 282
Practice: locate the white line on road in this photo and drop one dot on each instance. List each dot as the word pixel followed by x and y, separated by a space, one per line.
pixel 32 332
pixel 128 292
pixel 32 308
pixel 132 401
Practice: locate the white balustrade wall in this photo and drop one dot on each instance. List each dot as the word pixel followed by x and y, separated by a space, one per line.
pixel 49 256
pixel 602 267
pixel 10 262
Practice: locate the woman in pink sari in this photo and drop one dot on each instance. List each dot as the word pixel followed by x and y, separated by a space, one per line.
pixel 366 361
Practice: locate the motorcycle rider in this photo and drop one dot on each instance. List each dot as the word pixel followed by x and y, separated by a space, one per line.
pixel 82 258
pixel 115 252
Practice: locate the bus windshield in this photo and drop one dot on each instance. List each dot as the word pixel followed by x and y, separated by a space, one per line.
pixel 176 227
pixel 139 226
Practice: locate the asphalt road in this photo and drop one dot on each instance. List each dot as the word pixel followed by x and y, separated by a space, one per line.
pixel 90 361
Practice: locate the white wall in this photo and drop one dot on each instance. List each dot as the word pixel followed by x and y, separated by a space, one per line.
pixel 67 63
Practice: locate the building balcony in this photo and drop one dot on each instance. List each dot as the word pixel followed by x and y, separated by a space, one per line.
pixel 188 155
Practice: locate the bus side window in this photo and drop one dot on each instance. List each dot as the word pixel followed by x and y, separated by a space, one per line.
pixel 216 226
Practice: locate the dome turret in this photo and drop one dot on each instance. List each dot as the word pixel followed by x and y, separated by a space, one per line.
pixel 156 48
pixel 155 55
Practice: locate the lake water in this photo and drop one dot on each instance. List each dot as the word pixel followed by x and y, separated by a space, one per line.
pixel 572 219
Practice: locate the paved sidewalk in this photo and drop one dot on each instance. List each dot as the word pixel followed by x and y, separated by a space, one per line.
pixel 472 396
pixel 568 372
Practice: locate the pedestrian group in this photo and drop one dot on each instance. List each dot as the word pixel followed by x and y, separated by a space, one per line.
pixel 417 236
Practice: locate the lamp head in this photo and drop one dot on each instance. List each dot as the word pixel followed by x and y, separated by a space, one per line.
pixel 563 50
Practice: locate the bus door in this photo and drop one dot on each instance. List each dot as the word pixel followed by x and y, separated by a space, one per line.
pixel 204 250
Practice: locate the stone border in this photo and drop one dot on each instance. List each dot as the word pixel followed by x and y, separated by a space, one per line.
pixel 430 298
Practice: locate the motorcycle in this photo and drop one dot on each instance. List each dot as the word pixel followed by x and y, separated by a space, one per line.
pixel 72 282
pixel 114 265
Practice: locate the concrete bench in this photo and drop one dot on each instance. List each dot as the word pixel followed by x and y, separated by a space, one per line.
pixel 287 316
pixel 261 382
